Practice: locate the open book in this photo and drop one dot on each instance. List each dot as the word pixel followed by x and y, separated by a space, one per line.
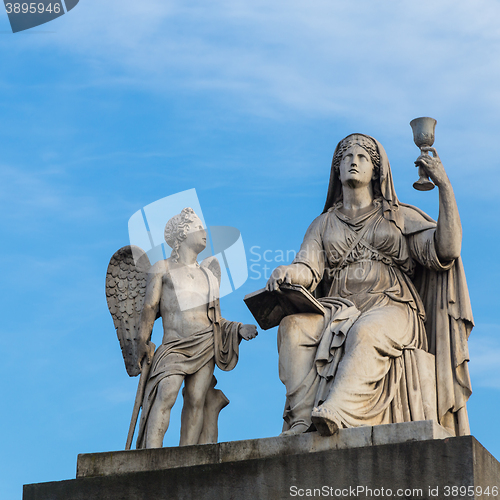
pixel 269 308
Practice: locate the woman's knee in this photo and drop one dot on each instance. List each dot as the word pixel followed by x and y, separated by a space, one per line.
pixel 300 329
pixel 384 327
pixel 360 334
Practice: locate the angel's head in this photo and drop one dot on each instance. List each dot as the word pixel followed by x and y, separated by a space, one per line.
pixel 185 227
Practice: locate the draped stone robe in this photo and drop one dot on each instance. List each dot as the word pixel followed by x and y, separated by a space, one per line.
pixel 185 356
pixel 366 369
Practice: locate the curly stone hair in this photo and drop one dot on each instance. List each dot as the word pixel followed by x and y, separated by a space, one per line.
pixel 366 143
pixel 176 230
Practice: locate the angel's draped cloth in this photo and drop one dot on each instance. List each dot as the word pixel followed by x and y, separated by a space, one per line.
pixel 185 356
pixel 368 273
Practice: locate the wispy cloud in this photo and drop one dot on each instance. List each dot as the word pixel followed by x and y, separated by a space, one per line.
pixel 326 57
pixel 30 196
pixel 367 65
pixel 42 195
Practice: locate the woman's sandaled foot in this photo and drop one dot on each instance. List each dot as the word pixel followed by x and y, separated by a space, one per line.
pixel 323 421
pixel 296 429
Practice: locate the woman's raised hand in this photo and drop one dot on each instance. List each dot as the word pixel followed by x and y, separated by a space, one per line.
pixel 433 166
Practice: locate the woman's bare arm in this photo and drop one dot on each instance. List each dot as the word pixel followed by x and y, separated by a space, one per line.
pixel 448 236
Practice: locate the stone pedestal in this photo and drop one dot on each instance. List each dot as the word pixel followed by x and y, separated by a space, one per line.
pixel 414 460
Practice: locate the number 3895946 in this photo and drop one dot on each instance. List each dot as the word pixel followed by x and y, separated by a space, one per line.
pixel 33 8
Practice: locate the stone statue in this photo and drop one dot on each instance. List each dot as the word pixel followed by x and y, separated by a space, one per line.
pixel 392 344
pixel 195 336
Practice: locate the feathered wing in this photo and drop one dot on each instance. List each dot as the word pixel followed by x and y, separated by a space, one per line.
pixel 213 265
pixel 125 291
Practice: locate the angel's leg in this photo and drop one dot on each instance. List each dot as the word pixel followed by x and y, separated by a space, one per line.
pixel 159 416
pixel 195 388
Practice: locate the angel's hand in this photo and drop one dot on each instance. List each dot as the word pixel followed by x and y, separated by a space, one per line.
pixel 248 332
pixel 145 353
pixel 433 166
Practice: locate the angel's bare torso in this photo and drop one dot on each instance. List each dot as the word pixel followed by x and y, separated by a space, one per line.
pixel 183 300
pixel 181 294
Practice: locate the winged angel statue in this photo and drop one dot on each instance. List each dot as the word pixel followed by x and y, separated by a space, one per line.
pixel 185 295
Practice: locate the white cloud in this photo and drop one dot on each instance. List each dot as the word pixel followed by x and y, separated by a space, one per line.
pixel 28 196
pixel 368 65
pixel 319 57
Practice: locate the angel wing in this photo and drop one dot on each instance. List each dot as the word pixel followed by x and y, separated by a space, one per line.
pixel 125 290
pixel 213 265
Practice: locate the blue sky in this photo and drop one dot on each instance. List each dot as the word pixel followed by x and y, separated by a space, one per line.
pixel 119 103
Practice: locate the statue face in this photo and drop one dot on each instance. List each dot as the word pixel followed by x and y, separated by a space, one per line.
pixel 356 167
pixel 196 236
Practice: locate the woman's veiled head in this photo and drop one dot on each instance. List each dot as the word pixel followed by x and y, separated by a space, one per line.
pixel 382 179
pixel 367 143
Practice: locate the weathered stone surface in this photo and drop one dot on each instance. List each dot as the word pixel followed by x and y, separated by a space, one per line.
pixel 411 431
pixel 412 467
pixel 122 462
pixel 185 294
pixel 360 257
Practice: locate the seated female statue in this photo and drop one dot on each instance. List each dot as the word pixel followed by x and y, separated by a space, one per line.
pixel 394 290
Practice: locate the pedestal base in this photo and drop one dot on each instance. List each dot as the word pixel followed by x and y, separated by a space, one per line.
pixel 381 462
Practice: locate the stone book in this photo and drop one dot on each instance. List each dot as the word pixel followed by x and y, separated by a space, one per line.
pixel 269 308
